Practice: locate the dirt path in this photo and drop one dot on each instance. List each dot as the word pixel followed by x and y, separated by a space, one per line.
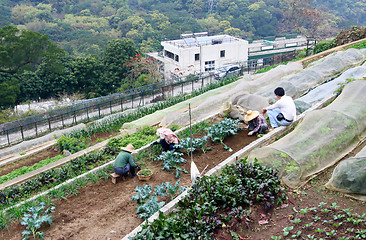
pixel 105 211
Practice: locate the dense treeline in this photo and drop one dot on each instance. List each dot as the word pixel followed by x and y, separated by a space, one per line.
pixel 32 68
pixel 53 47
pixel 83 27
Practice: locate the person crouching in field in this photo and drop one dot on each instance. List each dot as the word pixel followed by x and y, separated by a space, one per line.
pixel 167 140
pixel 125 163
pixel 256 122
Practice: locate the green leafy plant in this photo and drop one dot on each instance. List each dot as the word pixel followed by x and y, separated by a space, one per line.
pixel 171 161
pixel 215 200
pixel 287 230
pixel 167 188
pixel 151 206
pixel 227 127
pixel 143 193
pixel 191 144
pixel 35 218
pixel 145 172
pixel 71 144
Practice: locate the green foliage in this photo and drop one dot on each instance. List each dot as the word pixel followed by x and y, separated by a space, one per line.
pixel 212 199
pixel 143 193
pixel 145 172
pixel 227 127
pixel 139 139
pixel 151 206
pixel 324 45
pixel 11 195
pixel 34 219
pixel 25 169
pixel 190 145
pixel 199 128
pixel 342 85
pixel 167 188
pixel 71 144
pixel 359 45
pixel 171 161
pixel 147 204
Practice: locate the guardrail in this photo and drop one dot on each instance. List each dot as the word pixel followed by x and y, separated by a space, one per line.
pixel 96 108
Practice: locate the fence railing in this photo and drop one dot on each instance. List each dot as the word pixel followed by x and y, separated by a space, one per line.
pixel 96 108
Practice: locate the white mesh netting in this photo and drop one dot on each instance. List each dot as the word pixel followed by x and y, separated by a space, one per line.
pixel 327 89
pixel 350 175
pixel 320 140
pixel 317 73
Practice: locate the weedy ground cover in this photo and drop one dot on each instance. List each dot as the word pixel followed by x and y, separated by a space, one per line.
pixel 325 221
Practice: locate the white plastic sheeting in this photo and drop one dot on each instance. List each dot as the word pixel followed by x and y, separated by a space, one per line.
pixel 327 89
pixel 350 175
pixel 320 140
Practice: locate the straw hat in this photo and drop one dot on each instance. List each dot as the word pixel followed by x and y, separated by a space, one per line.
pixel 129 148
pixel 251 115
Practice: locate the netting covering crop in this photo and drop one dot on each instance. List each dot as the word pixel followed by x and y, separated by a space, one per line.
pixel 320 140
pixel 317 73
pixel 327 89
pixel 350 175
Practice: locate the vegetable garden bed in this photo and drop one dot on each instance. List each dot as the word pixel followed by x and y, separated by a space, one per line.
pixel 106 209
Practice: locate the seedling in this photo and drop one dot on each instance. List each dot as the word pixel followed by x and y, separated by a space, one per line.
pixel 331 233
pixel 296 220
pixel 286 230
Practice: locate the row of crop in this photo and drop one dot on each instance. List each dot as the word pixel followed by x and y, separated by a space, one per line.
pixel 12 195
pixel 114 123
pixel 324 222
pixel 26 169
pixel 142 137
pixel 216 200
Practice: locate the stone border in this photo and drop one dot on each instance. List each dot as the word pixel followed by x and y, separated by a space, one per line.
pixel 265 140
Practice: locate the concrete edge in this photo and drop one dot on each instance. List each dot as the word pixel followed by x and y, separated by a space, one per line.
pixel 265 140
pixel 36 149
pixel 101 144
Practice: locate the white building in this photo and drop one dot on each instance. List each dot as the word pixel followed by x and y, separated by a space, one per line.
pixel 199 53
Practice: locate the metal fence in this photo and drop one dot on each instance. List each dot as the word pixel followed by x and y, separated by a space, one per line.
pixel 33 126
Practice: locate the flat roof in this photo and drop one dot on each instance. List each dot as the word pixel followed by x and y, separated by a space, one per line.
pixel 202 41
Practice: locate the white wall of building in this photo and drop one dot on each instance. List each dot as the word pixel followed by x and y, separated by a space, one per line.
pixel 235 50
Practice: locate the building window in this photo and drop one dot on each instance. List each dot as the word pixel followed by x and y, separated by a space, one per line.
pixel 209 66
pixel 176 58
pixel 197 57
pixel 169 54
pixel 222 53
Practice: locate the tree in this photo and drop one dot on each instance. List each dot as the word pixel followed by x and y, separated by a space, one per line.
pixel 116 54
pixel 87 73
pixel 303 17
pixel 9 90
pixel 142 71
pixel 23 51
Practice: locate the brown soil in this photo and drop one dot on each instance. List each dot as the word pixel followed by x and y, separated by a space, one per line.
pixel 309 196
pixel 105 211
pixel 30 160
pixel 49 153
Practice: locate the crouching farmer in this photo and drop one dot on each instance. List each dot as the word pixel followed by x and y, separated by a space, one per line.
pixel 282 112
pixel 256 122
pixel 167 140
pixel 125 163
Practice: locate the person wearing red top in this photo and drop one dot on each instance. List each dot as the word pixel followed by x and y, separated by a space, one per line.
pixel 256 122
